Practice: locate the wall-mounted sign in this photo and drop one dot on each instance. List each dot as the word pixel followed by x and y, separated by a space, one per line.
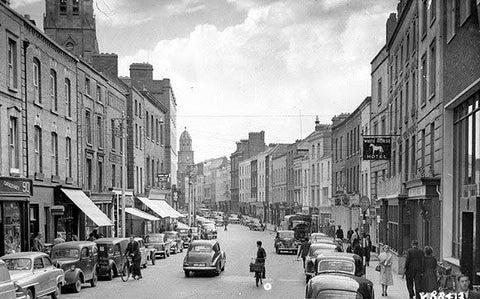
pixel 377 148
pixel 15 186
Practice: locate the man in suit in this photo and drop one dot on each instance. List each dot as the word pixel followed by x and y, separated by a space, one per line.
pixel 464 287
pixel 414 270
pixel 133 249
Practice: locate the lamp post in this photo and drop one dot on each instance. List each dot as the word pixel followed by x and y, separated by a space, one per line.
pixel 122 133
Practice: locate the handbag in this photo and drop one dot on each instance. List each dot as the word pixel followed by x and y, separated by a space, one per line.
pixel 377 268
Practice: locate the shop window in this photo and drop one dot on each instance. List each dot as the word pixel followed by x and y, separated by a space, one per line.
pixel 12 227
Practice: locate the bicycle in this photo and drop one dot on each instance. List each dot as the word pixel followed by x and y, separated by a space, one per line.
pixel 127 269
pixel 259 269
pixel 446 280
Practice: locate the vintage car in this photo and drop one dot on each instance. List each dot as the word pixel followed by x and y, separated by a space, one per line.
pixel 111 256
pixel 314 251
pixel 160 244
pixel 339 262
pixel 184 235
pixel 79 260
pixel 209 231
pixel 339 286
pixel 7 286
pixel 204 256
pixel 285 241
pixel 233 219
pixel 35 274
pixel 148 252
pixel 176 240
pixel 256 225
pixel 318 236
pixel 219 221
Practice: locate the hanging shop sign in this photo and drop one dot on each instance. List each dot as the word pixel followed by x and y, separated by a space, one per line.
pixel 377 148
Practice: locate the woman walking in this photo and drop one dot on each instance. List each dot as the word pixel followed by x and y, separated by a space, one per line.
pixel 429 281
pixel 386 276
pixel 367 249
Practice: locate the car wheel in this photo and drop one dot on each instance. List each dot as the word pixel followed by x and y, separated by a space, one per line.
pixel 187 273
pixel 77 287
pixel 218 270
pixel 58 291
pixel 30 294
pixel 152 257
pixel 277 251
pixel 93 281
pixel 223 268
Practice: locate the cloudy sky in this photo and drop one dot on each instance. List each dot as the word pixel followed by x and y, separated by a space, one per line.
pixel 246 65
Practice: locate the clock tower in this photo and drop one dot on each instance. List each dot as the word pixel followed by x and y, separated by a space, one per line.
pixel 185 165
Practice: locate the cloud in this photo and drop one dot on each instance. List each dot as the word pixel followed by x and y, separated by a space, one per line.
pixel 16 4
pixel 285 59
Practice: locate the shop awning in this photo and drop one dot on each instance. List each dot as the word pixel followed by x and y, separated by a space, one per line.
pixel 160 207
pixel 141 214
pixel 88 207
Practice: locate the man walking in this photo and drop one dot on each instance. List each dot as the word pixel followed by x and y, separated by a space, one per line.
pixel 304 250
pixel 133 250
pixel 38 244
pixel 339 233
pixel 414 270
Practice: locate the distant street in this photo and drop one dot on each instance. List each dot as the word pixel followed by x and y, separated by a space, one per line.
pixel 167 280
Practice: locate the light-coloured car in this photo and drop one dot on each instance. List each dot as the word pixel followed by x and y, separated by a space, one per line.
pixel 7 287
pixel 148 252
pixel 35 273
pixel 160 244
pixel 233 219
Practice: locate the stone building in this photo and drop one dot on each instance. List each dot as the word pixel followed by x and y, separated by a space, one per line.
pixel 185 167
pixel 278 179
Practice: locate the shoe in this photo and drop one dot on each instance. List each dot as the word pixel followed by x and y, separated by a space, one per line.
pixel 139 277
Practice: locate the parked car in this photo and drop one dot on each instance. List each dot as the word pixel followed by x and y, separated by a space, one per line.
pixel 111 256
pixel 314 251
pixel 79 260
pixel 209 231
pixel 148 252
pixel 256 225
pixel 339 262
pixel 285 241
pixel 219 221
pixel 339 286
pixel 8 287
pixel 318 236
pixel 233 219
pixel 160 244
pixel 204 255
pixel 177 243
pixel 184 235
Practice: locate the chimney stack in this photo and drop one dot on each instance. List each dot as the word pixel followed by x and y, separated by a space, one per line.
pixel 391 24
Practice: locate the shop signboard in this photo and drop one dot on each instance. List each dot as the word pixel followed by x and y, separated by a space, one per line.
pixel 15 186
pixel 377 148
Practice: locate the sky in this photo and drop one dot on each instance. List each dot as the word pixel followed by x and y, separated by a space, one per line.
pixel 239 66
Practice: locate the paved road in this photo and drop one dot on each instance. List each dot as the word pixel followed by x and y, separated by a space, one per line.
pixel 166 279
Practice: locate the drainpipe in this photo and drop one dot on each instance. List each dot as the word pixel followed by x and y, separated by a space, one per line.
pixel 26 44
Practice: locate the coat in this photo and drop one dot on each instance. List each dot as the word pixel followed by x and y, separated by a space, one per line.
pixel 134 249
pixel 386 275
pixel 414 263
pixel 429 280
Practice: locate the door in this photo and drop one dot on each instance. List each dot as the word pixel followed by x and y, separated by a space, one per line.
pixel 39 273
pixel 85 264
pixel 51 279
pixel 466 258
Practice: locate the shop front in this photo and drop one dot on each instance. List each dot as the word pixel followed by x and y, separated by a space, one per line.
pixel 14 207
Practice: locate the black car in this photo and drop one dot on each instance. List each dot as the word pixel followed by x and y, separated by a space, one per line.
pixel 285 241
pixel 111 256
pixel 339 286
pixel 204 256
pixel 339 262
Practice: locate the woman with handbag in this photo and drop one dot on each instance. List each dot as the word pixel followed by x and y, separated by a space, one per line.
pixel 385 263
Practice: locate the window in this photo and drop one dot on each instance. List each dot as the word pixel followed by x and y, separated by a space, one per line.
pixel 400 107
pixel 76 7
pixel 433 10
pixel 141 137
pixel 424 80
pixel 157 131
pixel 395 115
pixel 99 94
pixel 465 10
pixel 68 156
pixel 114 174
pixel 88 126
pixel 147 132
pixel 406 100
pixel 407 48
pixel 379 91
pixel 12 64
pixel 88 174
pixel 63 7
pixel 37 81
pixel 100 132
pixel 136 107
pixel 87 86
pixel 161 133
pixel 414 90
pixel 451 19
pixel 423 144
pixel 100 176
pixel 407 158
pixel 54 149
pixel 38 150
pixel 68 97
pixel 136 135
pixel 140 110
pixel 432 149
pixel 383 127
pixel 152 128
pixel 341 147
pixel 148 171
pixel 424 17
pixel 400 159
pixel 413 167
pixel 113 141
pixel 14 147
pixel 433 69
pixel 53 90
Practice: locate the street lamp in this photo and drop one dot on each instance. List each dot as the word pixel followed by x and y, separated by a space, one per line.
pixel 121 132
pixel 191 173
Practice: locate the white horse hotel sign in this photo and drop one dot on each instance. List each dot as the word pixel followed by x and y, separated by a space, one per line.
pixel 377 148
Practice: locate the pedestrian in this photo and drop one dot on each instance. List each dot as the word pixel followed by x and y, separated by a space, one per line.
pixel 261 256
pixel 38 244
pixel 349 235
pixel 429 280
pixel 59 239
pixel 385 262
pixel 355 235
pixel 303 250
pixel 357 249
pixel 414 270
pixel 339 233
pixel 133 250
pixel 464 288
pixel 367 249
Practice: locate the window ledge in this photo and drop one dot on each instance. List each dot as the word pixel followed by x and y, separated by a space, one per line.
pixel 38 104
pixel 39 176
pixel 432 21
pixel 69 180
pixel 54 111
pixel 422 105
pixel 431 97
pixel 55 179
pixel 68 118
pixel 13 89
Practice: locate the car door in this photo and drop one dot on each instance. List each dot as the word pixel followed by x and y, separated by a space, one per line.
pixel 40 277
pixel 51 275
pixel 117 256
pixel 143 252
pixel 93 258
pixel 85 264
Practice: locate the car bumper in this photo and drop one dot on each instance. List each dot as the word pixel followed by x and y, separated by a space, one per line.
pixel 197 268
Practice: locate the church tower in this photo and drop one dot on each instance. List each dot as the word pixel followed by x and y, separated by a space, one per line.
pixel 185 154
pixel 71 24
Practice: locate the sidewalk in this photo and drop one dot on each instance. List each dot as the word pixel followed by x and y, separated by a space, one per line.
pixel 399 288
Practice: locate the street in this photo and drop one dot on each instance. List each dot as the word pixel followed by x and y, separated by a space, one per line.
pixel 166 279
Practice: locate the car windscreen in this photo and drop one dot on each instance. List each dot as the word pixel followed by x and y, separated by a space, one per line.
pixel 18 264
pixel 333 294
pixel 286 235
pixel 201 248
pixel 65 253
pixel 156 238
pixel 316 250
pixel 336 266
